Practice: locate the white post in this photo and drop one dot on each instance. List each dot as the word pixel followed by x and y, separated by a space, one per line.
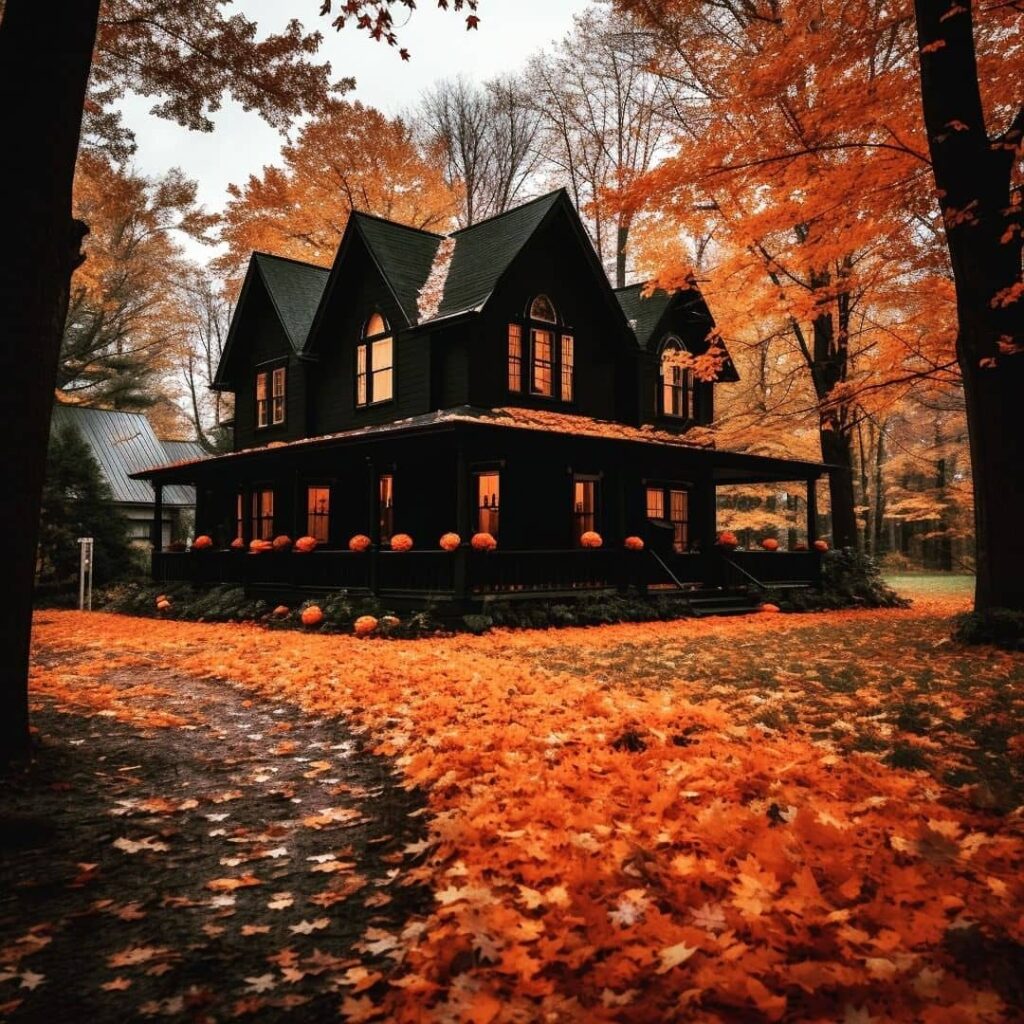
pixel 85 574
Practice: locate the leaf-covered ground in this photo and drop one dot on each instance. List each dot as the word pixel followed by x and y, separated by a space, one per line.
pixel 805 817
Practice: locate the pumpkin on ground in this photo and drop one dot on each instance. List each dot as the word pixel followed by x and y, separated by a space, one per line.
pixel 282 543
pixel 305 544
pixel 401 542
pixel 364 625
pixel 390 621
pixel 360 542
pixel 727 539
pixel 770 544
pixel 483 542
pixel 450 541
pixel 634 543
pixel 769 608
pixel 202 543
pixel 821 545
pixel 163 605
pixel 312 616
pixel 281 611
pixel 591 539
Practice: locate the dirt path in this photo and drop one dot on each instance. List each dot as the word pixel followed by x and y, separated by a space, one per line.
pixel 225 868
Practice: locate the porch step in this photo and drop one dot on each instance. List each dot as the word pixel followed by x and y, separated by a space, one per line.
pixel 722 603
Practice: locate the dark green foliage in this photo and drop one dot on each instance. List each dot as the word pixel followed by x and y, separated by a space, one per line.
pixel 850 579
pixel 1002 627
pixel 477 623
pixel 77 503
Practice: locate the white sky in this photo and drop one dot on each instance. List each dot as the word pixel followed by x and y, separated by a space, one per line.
pixel 509 32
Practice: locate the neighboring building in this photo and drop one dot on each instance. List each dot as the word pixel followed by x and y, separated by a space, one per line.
pixel 490 380
pixel 123 443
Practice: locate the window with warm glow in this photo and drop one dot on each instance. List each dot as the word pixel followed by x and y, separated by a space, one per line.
pixel 584 507
pixel 515 357
pixel 318 512
pixel 541 363
pixel 263 514
pixel 261 400
pixel 676 388
pixel 240 516
pixel 567 368
pixel 488 500
pixel 671 504
pixel 386 505
pixel 375 363
pixel 278 391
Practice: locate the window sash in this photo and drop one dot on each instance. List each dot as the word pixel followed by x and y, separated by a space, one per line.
pixel 263 515
pixel 488 502
pixel 655 503
pixel 679 517
pixel 386 505
pixel 361 376
pixel 676 391
pixel 240 516
pixel 515 357
pixel 261 399
pixel 381 382
pixel 541 376
pixel 278 386
pixel 584 507
pixel 318 512
pixel 567 368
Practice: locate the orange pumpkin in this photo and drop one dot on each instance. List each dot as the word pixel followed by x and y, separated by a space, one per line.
pixel 282 543
pixel 312 616
pixel 634 543
pixel 727 539
pixel 591 539
pixel 770 544
pixel 238 544
pixel 202 543
pixel 821 545
pixel 364 625
pixel 483 542
pixel 401 542
pixel 163 605
pixel 390 621
pixel 769 608
pixel 450 541
pixel 305 544
pixel 280 611
pixel 360 542
pixel 257 547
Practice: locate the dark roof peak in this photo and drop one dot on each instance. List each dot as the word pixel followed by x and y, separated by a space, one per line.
pixel 363 214
pixel 263 254
pixel 510 211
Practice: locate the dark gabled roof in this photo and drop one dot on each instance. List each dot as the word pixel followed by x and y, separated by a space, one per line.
pixel 643 313
pixel 295 289
pixel 123 443
pixel 403 256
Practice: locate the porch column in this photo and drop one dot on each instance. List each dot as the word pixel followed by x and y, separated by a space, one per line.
pixel 157 532
pixel 812 511
pixel 463 526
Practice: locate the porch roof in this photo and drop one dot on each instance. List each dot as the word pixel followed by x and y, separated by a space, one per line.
pixel 725 466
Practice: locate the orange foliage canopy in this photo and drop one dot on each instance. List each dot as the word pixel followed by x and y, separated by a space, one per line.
pixel 603 850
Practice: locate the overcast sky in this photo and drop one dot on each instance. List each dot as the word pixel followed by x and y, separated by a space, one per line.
pixel 510 31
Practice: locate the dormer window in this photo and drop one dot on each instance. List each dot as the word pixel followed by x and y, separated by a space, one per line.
pixel 675 391
pixel 277 405
pixel 262 406
pixel 549 357
pixel 375 363
pixel 270 396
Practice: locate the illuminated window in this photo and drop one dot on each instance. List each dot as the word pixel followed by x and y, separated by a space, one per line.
pixel 277 393
pixel 567 367
pixel 541 380
pixel 676 387
pixel 318 512
pixel 386 504
pixel 375 363
pixel 263 515
pixel 261 400
pixel 240 516
pixel 671 504
pixel 488 500
pixel 515 357
pixel 584 507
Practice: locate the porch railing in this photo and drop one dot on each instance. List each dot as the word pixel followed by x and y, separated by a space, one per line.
pixel 509 572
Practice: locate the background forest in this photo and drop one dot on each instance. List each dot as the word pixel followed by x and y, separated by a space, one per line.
pixel 836 302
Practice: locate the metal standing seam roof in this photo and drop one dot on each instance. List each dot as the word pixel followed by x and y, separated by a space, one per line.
pixel 123 443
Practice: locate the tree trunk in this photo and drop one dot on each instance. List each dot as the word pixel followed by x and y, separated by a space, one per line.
pixel 983 233
pixel 621 246
pixel 836 450
pixel 45 56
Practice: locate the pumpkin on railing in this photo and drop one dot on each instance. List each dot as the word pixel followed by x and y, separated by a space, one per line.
pixel 821 545
pixel 591 539
pixel 401 542
pixel 360 542
pixel 259 547
pixel 238 544
pixel 282 543
pixel 450 542
pixel 483 542
pixel 770 544
pixel 305 544
pixel 202 543
pixel 633 544
pixel 727 539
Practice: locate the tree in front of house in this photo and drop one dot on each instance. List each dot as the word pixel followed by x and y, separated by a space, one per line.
pixel 349 157
pixel 77 503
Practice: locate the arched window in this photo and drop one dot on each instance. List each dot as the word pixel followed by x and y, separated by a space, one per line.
pixel 375 363
pixel 675 390
pixel 550 353
pixel 542 309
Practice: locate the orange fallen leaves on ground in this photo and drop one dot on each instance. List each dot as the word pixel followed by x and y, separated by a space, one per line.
pixel 692 818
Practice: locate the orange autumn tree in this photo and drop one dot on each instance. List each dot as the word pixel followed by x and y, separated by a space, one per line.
pixel 350 157
pixel 809 121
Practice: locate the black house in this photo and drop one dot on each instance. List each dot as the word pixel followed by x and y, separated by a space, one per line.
pixel 488 381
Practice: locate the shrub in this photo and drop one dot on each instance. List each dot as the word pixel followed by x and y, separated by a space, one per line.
pixel 1002 627
pixel 477 624
pixel 850 579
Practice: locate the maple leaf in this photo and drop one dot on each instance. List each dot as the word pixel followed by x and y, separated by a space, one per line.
pixel 116 985
pixel 308 927
pixel 356 1011
pixel 148 845
pixel 31 980
pixel 231 884
pixel 263 983
pixel 255 929
pixel 673 956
